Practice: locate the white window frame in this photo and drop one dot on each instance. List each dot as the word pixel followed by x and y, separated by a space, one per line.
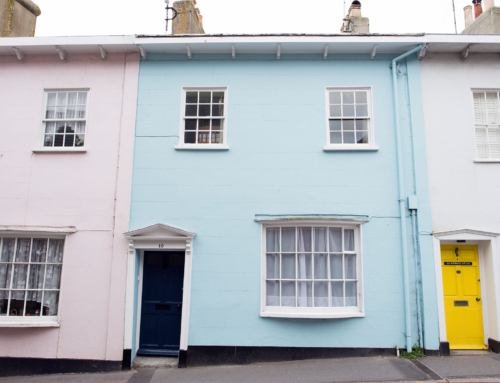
pixel 36 321
pixel 483 159
pixel 182 145
pixel 314 312
pixel 41 135
pixel 370 146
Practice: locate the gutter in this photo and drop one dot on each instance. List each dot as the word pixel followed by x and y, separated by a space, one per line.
pixel 402 209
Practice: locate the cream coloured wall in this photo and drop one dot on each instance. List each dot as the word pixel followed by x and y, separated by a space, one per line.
pixel 90 191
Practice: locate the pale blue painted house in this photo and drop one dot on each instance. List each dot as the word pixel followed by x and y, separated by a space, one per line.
pixel 267 200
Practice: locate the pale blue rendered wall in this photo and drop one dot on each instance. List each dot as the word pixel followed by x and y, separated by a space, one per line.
pixel 276 165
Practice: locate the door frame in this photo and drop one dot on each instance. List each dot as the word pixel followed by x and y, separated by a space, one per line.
pixel 473 237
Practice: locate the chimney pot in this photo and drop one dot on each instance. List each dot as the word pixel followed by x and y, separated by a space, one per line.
pixel 478 8
pixel 468 15
pixel 355 9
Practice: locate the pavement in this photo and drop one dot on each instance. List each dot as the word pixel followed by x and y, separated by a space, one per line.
pixel 454 369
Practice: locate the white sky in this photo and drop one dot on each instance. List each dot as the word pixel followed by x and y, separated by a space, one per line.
pixel 129 17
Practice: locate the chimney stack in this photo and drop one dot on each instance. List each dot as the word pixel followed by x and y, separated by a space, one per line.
pixel 354 22
pixel 468 15
pixel 488 4
pixel 478 9
pixel 18 18
pixel 188 20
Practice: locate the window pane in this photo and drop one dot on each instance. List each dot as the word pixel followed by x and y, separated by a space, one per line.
pixel 288 294
pixel 51 112
pixel 348 110
pixel 304 296
pixel 203 124
pixel 17 303
pixel 350 266
pixel 70 127
pixel 23 250
pixel 190 138
pixel 494 141
pixel 482 151
pixel 351 295
pixel 361 98
pixel 203 137
pixel 50 127
pixel 216 138
pixel 60 126
pixel 35 280
pixel 204 110
pixel 305 266
pixel 335 125
pixel 48 140
pixel 69 140
pixel 218 98
pixel 335 98
pixel 58 139
pixel 320 294
pixel 39 250
pixel 288 240
pixel 273 239
pixel 335 111
pixel 56 247
pixel 336 138
pixel 335 240
pixel 191 97
pixel 320 240
pixel 348 239
pixel 50 303
pixel 479 115
pixel 205 97
pixel 4 300
pixel 272 293
pixel 336 266
pixel 72 98
pixel 80 126
pixel 52 277
pixel 60 112
pixel 492 108
pixel 80 140
pixel 304 239
pixel 19 279
pixel 348 124
pixel 320 266
pixel 216 124
pixel 191 110
pixel 34 303
pixel 217 110
pixel 82 98
pixel 190 124
pixel 80 111
pixel 70 111
pixel 273 266
pixel 51 98
pixel 8 249
pixel 337 294
pixel 362 137
pixel 5 275
pixel 361 124
pixel 349 138
pixel 361 110
pixel 61 98
pixel 348 97
pixel 288 266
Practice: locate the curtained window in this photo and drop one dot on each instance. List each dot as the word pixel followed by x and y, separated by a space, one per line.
pixel 30 276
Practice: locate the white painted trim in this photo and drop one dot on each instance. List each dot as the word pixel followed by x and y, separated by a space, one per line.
pixel 311 221
pixel 34 323
pixel 350 148
pixel 139 302
pixel 35 230
pixel 484 294
pixel 439 290
pixel 104 54
pixel 325 54
pixel 129 297
pixel 374 51
pixel 486 160
pixel 19 53
pixel 61 150
pixel 199 147
pixel 464 234
pixel 309 315
pixel 162 226
pixel 186 296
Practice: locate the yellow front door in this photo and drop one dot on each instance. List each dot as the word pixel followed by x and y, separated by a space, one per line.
pixel 462 297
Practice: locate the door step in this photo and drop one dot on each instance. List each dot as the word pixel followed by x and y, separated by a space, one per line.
pixel 155 362
pixel 468 352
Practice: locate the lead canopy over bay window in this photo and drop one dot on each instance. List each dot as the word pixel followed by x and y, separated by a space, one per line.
pixel 312 271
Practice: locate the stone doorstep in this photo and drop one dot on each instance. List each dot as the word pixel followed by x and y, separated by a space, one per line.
pixel 155 362
pixel 474 380
pixel 469 352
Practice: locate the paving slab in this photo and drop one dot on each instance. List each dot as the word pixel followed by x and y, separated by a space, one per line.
pixel 155 362
pixel 108 377
pixel 310 371
pixel 463 366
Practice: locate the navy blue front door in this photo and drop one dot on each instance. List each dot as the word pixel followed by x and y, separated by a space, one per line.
pixel 161 303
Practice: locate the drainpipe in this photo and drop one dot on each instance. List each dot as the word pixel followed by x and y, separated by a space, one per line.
pixel 402 210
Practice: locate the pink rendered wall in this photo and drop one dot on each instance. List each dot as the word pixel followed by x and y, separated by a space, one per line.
pixel 90 191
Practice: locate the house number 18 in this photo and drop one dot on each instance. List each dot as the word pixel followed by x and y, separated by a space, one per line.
pixel 161 245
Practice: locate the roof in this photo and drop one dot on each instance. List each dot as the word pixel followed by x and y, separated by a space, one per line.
pixel 264 43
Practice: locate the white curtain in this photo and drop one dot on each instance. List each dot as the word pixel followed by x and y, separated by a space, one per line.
pixel 273 240
pixel 304 293
pixel 348 240
pixel 335 240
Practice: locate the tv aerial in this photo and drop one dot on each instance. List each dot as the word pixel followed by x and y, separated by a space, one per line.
pixel 174 14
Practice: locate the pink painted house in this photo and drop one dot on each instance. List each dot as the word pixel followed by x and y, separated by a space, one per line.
pixel 67 122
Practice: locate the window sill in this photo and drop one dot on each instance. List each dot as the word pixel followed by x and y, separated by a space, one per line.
pixel 487 160
pixel 25 322
pixel 201 147
pixel 353 148
pixel 59 150
pixel 323 314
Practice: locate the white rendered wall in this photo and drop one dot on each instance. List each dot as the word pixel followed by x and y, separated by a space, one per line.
pixel 90 191
pixel 464 194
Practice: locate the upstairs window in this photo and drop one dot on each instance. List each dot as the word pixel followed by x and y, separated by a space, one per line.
pixel 65 119
pixel 487 124
pixel 203 120
pixel 349 118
